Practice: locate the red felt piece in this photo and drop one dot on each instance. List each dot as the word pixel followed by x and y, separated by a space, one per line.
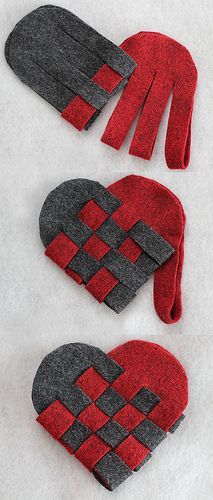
pixel 158 207
pixel 56 419
pixel 130 249
pixel 93 417
pixel 163 375
pixel 130 382
pixel 163 66
pixel 92 215
pixel 129 417
pixel 101 284
pixel 61 250
pixel 91 451
pixel 92 383
pixel 132 452
pixel 96 247
pixel 75 276
pixel 79 112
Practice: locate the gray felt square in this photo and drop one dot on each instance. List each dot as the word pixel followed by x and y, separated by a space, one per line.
pixel 111 471
pixel 149 434
pixel 153 244
pixel 145 400
pixel 119 298
pixel 110 402
pixel 146 264
pixel 74 399
pixel 112 433
pixel 84 265
pixel 77 231
pixel 124 270
pixel 111 233
pixel 76 435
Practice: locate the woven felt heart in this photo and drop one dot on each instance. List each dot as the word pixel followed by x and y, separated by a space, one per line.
pixel 109 241
pixel 110 411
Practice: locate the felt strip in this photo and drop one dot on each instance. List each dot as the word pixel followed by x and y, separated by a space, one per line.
pixel 61 250
pixel 95 247
pixel 92 383
pixel 129 417
pixel 93 418
pixel 145 400
pixel 119 298
pixel 127 273
pixel 74 399
pixel 143 462
pixel 92 215
pixel 76 435
pixel 84 265
pixel 147 264
pixel 112 433
pixel 111 233
pixel 149 434
pixel 175 426
pixel 56 419
pixel 153 244
pixel 91 451
pixel 102 283
pixel 132 452
pixel 131 250
pixel 111 471
pixel 77 231
pixel 110 402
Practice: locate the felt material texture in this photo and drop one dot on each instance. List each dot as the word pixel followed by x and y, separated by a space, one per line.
pixel 57 55
pixel 163 67
pixel 112 436
pixel 117 239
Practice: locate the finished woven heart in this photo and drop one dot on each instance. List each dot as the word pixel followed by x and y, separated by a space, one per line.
pixel 112 239
pixel 110 411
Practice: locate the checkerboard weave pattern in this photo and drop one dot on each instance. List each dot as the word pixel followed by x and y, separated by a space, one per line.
pixel 110 434
pixel 112 263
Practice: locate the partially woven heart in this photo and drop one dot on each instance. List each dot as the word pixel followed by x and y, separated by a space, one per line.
pixel 100 242
pixel 110 411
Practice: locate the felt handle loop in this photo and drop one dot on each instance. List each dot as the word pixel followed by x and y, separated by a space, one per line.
pixel 167 287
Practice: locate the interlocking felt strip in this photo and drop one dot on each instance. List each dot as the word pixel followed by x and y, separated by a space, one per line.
pixel 115 238
pixel 58 56
pixel 128 400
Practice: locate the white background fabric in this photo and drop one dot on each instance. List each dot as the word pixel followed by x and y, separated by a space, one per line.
pixel 42 308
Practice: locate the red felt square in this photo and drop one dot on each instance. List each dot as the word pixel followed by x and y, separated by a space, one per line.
pixel 126 216
pixel 75 276
pixel 93 417
pixel 92 383
pixel 129 417
pixel 130 249
pixel 132 452
pixel 92 215
pixel 61 250
pixel 56 419
pixel 91 451
pixel 96 247
pixel 101 284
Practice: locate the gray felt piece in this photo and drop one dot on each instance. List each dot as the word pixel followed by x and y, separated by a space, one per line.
pixel 124 270
pixel 111 233
pixel 176 424
pixel 110 402
pixel 60 369
pixel 112 433
pixel 145 400
pixel 149 434
pixel 143 462
pixel 74 399
pixel 153 244
pixel 85 265
pixel 146 264
pixel 111 471
pixel 77 231
pixel 66 200
pixel 119 298
pixel 57 54
pixel 76 435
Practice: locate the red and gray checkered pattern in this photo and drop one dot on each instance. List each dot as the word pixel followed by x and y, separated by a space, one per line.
pixel 112 436
pixel 112 263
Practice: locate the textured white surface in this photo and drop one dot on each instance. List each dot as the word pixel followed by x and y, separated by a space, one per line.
pixel 42 309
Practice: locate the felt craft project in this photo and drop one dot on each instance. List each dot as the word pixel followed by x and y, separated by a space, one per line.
pixel 58 56
pixel 111 240
pixel 110 411
pixel 164 66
